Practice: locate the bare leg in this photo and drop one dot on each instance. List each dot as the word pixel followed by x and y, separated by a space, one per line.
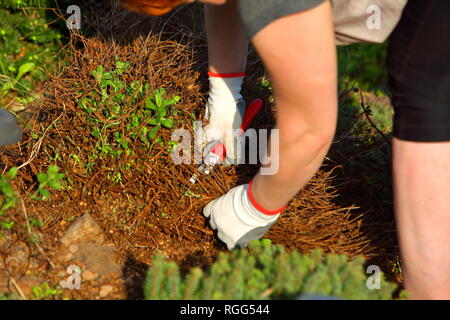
pixel 422 205
pixel 227 42
pixel 299 52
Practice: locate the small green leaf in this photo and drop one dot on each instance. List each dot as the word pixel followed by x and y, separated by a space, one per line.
pixel 53 170
pixel 171 101
pixel 55 185
pixel 153 131
pixel 24 69
pixel 162 111
pixel 35 222
pixel 149 104
pixel 7 225
pixel 121 66
pixel 168 123
pixel 144 134
pixel 42 177
pixel 12 173
pixel 158 98
pixel 44 193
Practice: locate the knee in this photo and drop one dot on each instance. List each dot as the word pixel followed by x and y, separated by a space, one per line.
pixel 310 130
pixel 317 140
pixel 306 148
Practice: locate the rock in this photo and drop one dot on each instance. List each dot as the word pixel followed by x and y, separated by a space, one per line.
pixel 89 275
pixel 16 261
pixel 84 243
pixel 106 290
pixel 98 259
pixel 85 229
pixel 17 107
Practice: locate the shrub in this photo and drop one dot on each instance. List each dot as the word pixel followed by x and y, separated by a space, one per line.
pixel 364 65
pixel 265 271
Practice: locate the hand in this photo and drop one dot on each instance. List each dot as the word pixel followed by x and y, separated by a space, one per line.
pixel 225 120
pixel 237 221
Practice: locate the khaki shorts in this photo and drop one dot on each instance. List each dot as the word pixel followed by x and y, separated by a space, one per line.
pixel 365 21
pixel 356 21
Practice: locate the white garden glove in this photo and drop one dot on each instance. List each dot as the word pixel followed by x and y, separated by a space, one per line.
pixel 236 218
pixel 225 110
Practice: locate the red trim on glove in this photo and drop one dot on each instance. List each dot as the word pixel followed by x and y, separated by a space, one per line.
pixel 226 75
pixel 258 206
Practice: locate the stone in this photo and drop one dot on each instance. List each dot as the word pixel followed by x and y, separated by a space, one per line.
pixel 89 275
pixel 17 259
pixel 73 248
pixel 98 259
pixel 106 290
pixel 84 229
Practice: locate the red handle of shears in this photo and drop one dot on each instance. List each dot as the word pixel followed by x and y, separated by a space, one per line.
pixel 250 113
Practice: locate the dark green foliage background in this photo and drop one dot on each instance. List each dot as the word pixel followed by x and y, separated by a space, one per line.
pixel 30 31
pixel 364 66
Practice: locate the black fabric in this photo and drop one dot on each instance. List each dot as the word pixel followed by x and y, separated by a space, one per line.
pixel 419 72
pixel 256 14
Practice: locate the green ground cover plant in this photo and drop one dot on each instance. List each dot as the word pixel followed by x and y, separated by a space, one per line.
pixel 115 125
pixel 9 196
pixel 265 271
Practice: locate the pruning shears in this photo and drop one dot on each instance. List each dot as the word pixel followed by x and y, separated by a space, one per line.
pixel 217 153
